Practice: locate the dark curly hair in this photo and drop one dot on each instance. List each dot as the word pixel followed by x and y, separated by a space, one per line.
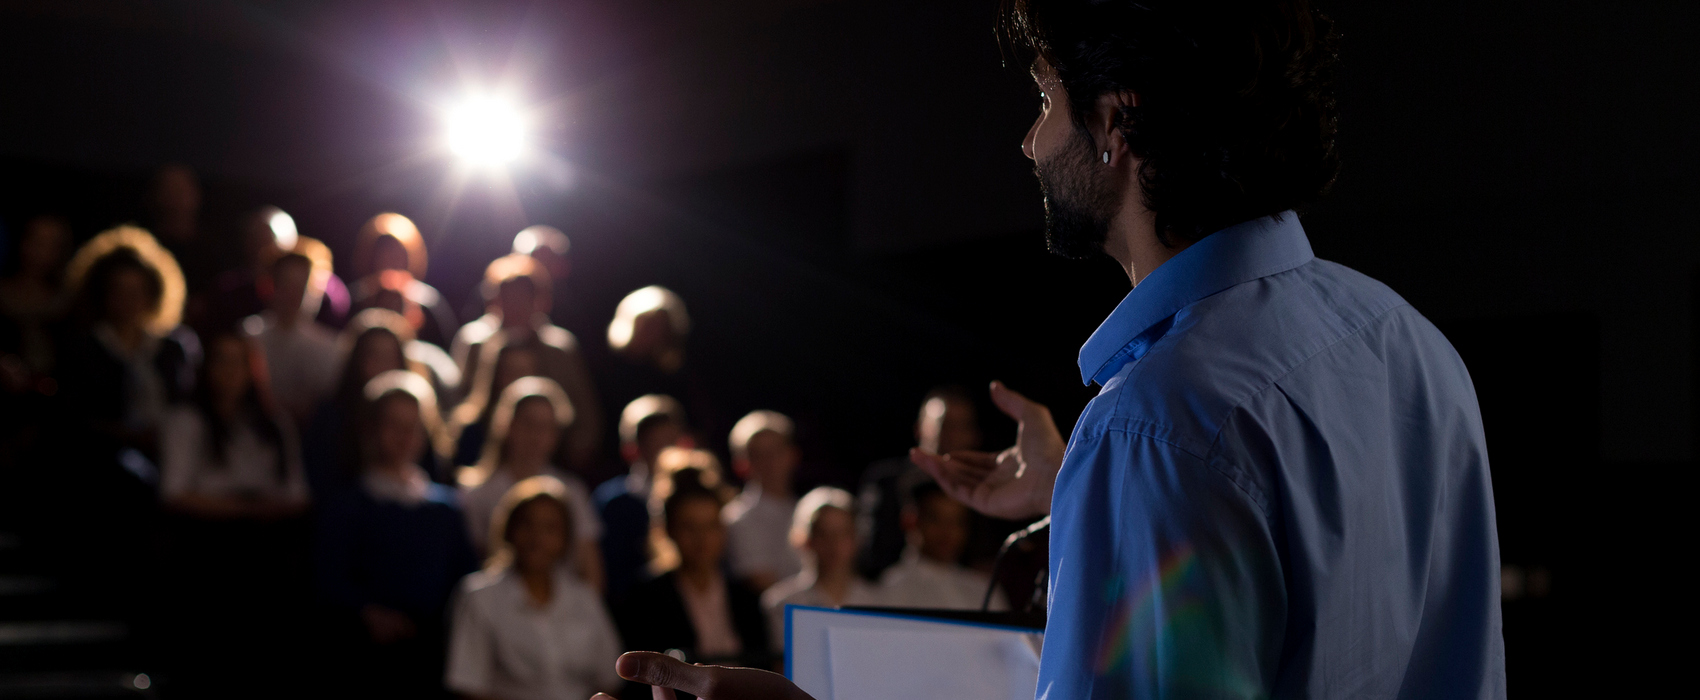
pixel 1236 115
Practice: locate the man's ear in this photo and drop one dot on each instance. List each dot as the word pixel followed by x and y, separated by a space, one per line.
pixel 1111 106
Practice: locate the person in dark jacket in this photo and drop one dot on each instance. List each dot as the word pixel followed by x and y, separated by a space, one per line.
pixel 391 551
pixel 695 608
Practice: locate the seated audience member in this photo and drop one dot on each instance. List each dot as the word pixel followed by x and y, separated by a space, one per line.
pixel 231 468
pixel 130 358
pixel 757 522
pixel 517 300
pixel 301 355
pixel 928 575
pixel 946 423
pixel 390 552
pixel 525 627
pixel 693 606
pixel 824 530
pixel 32 301
pixel 390 264
pixel 505 362
pixel 649 425
pixel 528 421
pixel 646 340
pixel 229 454
pixel 245 290
pixel 373 343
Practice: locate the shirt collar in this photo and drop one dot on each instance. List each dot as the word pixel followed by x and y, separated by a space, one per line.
pixel 1240 253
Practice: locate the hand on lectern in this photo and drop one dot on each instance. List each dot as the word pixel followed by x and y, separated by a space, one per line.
pixel 707 682
pixel 1015 483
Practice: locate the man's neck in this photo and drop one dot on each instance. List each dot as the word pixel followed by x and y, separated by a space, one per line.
pixel 1132 242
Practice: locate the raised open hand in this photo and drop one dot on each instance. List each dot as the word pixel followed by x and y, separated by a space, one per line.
pixel 1015 483
pixel 661 672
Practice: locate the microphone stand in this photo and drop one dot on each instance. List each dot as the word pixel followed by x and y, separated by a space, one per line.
pixel 1014 537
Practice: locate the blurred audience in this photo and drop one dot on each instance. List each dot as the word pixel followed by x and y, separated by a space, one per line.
pixel 32 301
pixel 947 422
pixel 389 264
pixel 371 345
pixel 246 289
pixel 764 454
pixel 390 552
pixel 647 339
pixel 228 454
pixel 526 627
pixel 824 532
pixel 648 425
pixel 300 354
pixel 694 607
pixel 928 575
pixel 231 473
pixel 517 298
pixel 524 429
pixel 128 359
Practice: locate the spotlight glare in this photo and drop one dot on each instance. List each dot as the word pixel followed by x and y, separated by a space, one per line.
pixel 485 131
pixel 284 233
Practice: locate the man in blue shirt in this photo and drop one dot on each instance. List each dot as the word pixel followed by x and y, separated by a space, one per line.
pixel 1282 488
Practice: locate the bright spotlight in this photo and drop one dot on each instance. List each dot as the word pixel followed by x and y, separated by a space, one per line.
pixel 486 131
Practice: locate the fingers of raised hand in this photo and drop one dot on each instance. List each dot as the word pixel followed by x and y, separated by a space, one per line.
pixel 667 672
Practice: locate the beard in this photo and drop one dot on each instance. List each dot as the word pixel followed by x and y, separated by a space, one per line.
pixel 1080 200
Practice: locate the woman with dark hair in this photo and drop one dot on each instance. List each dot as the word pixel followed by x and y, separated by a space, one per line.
pixel 229 454
pixel 375 342
pixel 526 627
pixel 502 361
pixel 524 430
pixel 695 607
pixel 231 471
pixel 390 552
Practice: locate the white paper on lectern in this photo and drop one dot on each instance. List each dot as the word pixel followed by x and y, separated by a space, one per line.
pixel 855 654
pixel 870 664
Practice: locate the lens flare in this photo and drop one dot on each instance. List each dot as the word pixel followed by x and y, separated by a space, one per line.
pixel 486 131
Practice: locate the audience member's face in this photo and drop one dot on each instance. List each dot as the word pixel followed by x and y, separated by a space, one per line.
pixel 539 536
pixel 43 246
pixel 513 365
pixel 943 526
pixel 947 425
pixel 658 437
pixel 533 433
pixel 379 353
pixel 651 333
pixel 227 368
pixel 772 457
pixel 399 435
pixel 517 298
pixel 388 254
pixel 833 541
pixel 289 288
pixel 698 533
pixel 130 299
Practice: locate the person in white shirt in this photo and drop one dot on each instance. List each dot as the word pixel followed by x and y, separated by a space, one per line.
pixel 759 520
pixel 301 355
pixel 525 627
pixel 530 416
pixel 928 575
pixel 228 454
pixel 824 530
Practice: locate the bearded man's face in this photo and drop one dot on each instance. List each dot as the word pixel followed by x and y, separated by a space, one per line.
pixel 1080 199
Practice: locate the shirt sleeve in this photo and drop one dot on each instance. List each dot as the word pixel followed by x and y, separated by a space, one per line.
pixel 1164 578
pixel 471 653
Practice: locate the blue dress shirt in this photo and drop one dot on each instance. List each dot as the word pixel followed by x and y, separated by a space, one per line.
pixel 1281 490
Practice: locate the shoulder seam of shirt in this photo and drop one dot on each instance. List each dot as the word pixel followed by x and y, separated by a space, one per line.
pixel 1216 440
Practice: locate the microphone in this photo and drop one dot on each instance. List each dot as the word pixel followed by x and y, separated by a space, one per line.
pixel 1037 527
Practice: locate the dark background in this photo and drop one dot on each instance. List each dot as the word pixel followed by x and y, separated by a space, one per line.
pixel 835 189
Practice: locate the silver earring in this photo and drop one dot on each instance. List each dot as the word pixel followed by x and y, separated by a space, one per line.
pixel 1106 157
